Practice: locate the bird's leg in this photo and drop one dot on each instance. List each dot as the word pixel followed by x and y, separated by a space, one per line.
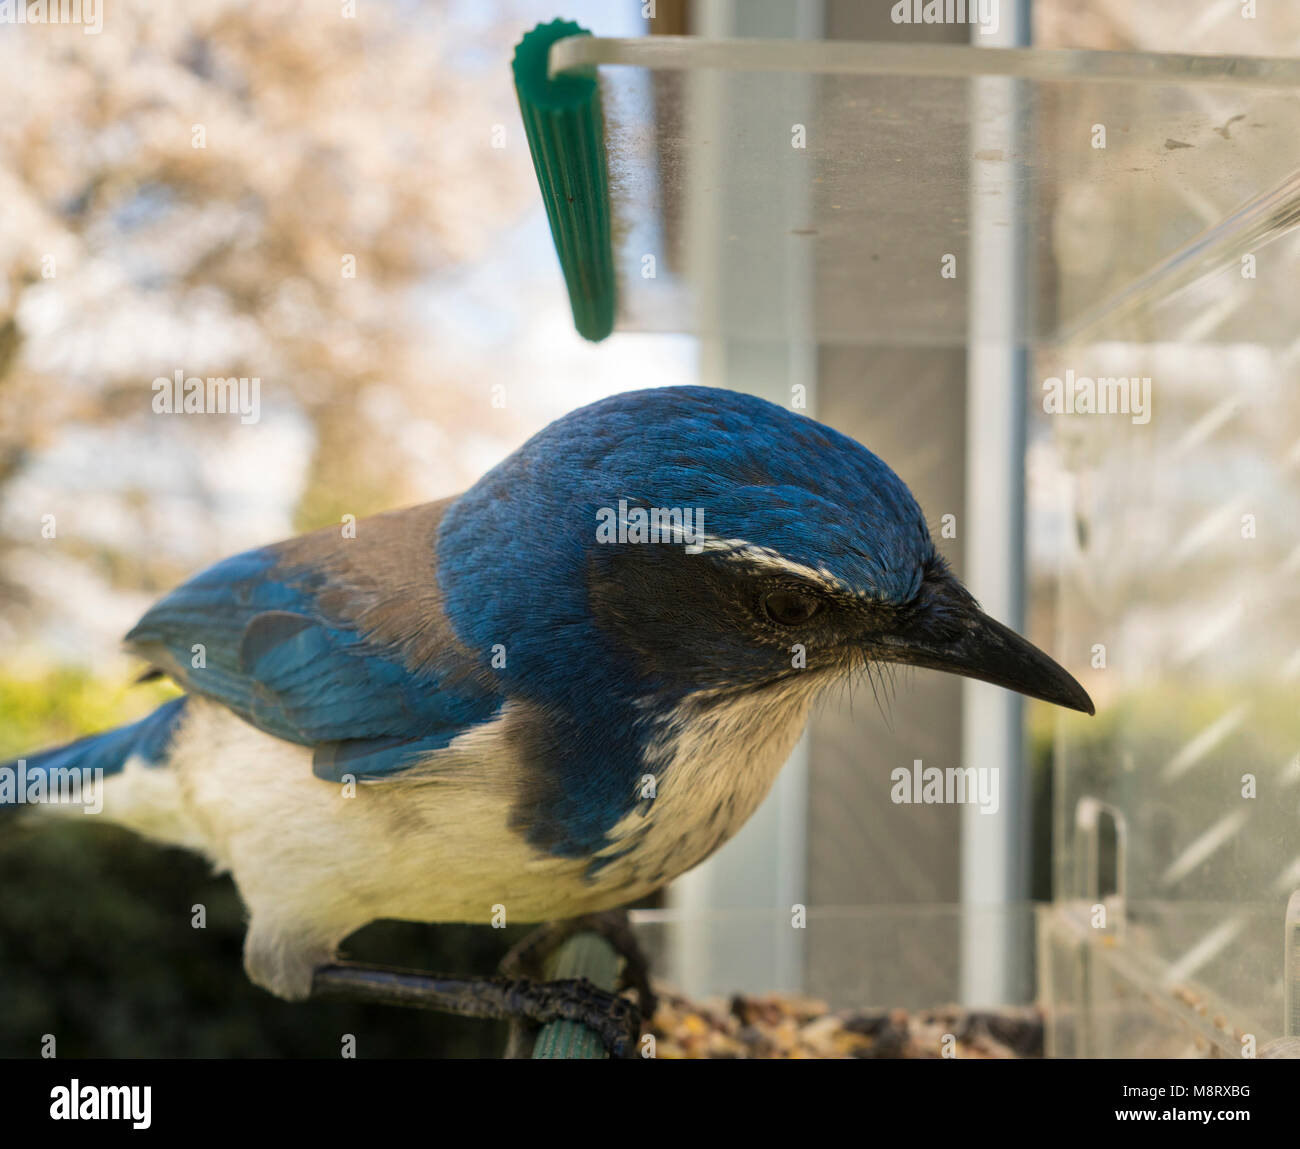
pixel 528 957
pixel 615 1020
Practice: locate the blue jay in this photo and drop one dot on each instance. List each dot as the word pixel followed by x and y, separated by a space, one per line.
pixel 553 693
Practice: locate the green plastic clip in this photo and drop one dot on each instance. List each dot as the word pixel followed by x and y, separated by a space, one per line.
pixel 566 136
pixel 592 957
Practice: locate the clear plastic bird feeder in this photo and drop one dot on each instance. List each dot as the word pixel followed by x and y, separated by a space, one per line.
pixel 1148 205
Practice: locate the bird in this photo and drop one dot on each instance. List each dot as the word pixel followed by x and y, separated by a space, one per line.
pixel 549 695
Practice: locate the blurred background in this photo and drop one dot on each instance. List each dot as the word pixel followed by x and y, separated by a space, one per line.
pixel 343 206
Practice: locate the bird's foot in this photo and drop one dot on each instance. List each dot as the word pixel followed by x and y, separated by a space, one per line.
pixel 528 957
pixel 615 1020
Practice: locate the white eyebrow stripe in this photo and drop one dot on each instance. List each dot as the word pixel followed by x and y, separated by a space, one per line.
pixel 742 550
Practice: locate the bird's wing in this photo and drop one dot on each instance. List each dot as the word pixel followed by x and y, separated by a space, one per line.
pixel 337 643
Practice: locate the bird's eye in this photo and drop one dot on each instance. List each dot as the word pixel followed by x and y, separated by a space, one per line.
pixel 789 607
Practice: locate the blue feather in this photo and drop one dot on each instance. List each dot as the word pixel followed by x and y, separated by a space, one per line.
pixel 287 644
pixel 149 739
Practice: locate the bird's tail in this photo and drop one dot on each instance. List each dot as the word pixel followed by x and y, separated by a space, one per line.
pixel 71 777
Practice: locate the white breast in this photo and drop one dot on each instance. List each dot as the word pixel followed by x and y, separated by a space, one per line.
pixel 315 861
pixel 713 765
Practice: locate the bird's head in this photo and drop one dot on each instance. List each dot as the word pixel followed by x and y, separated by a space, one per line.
pixel 688 541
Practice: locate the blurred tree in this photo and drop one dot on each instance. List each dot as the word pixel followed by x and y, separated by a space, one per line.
pixel 222 189
pixel 228 190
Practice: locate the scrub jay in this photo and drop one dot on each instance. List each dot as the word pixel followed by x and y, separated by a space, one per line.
pixel 553 693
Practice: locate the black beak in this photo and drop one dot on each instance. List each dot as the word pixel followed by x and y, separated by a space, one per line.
pixel 948 631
